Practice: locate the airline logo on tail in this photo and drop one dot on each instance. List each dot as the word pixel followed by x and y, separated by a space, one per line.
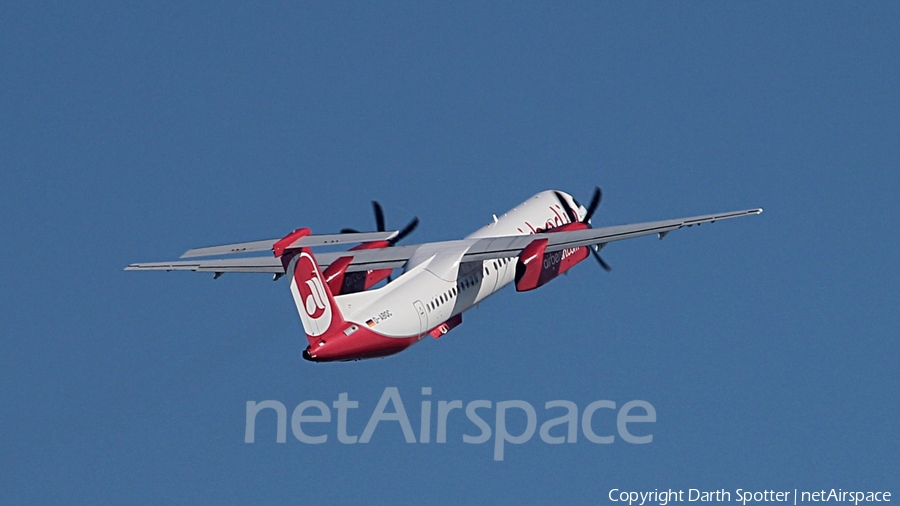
pixel 311 296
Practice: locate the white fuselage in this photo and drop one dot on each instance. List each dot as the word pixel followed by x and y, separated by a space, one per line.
pixel 436 286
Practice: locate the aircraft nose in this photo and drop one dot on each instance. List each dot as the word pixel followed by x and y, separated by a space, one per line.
pixel 308 356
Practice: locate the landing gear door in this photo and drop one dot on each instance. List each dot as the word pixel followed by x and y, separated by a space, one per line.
pixel 423 317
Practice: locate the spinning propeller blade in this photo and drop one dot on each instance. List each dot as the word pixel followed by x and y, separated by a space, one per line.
pixel 603 264
pixel 595 202
pixel 589 212
pixel 573 216
pixel 379 216
pixel 379 225
pixel 405 232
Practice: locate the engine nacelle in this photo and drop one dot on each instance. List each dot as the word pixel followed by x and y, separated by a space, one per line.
pixel 342 282
pixel 536 267
pixel 335 273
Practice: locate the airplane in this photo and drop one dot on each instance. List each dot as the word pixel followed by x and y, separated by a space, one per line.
pixel 346 317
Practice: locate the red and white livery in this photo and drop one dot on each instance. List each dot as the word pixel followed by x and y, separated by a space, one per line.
pixel 346 317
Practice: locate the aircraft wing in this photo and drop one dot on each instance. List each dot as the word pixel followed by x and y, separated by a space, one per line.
pixel 395 257
pixel 617 233
pixel 504 247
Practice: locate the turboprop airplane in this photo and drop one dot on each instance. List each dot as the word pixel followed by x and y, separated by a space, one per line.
pixel 346 317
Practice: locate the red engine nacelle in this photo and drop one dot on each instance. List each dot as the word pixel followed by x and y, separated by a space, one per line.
pixel 536 267
pixel 342 282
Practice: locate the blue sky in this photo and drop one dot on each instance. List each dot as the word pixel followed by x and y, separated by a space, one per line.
pixel 767 345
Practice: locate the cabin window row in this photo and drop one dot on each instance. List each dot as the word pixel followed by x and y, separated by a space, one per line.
pixel 497 265
pixel 464 284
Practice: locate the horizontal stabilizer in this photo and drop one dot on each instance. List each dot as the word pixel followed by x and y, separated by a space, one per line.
pixel 309 240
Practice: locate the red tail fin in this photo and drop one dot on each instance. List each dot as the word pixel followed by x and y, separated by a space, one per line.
pixel 315 303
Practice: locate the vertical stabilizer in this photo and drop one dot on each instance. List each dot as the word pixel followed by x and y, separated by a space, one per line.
pixel 315 303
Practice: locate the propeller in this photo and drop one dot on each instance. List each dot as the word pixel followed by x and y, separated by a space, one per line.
pixel 603 263
pixel 379 225
pixel 379 216
pixel 591 208
pixel 405 231
pixel 573 216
